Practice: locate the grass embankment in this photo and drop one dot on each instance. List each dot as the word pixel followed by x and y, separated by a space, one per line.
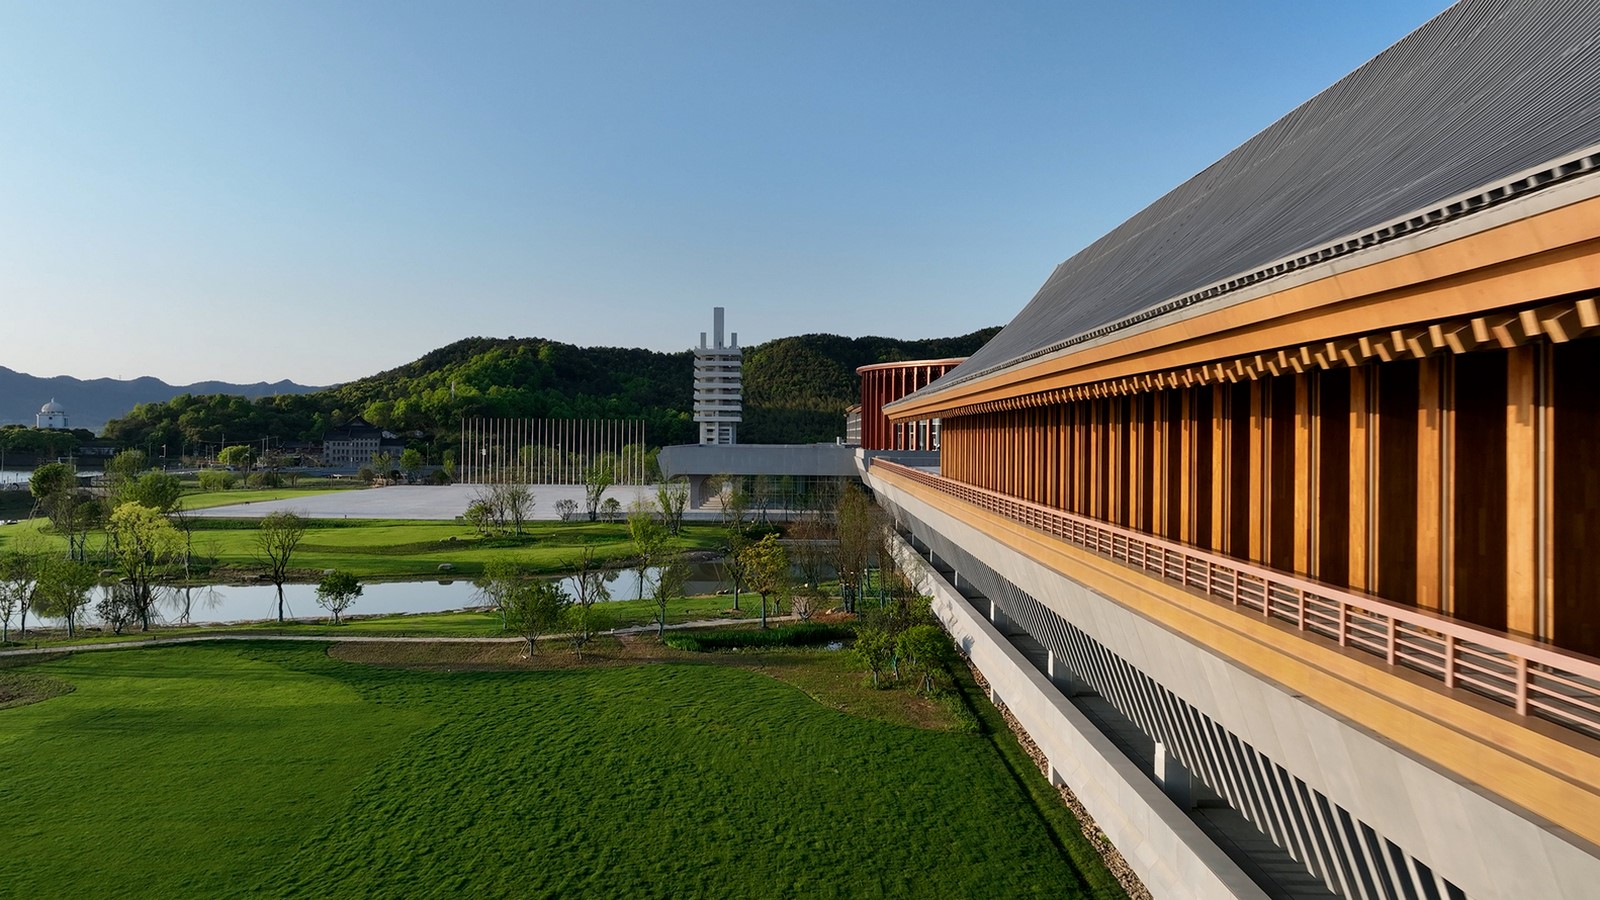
pixel 382 548
pixel 226 770
pixel 468 623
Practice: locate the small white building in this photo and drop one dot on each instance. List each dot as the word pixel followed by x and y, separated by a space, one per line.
pixel 51 415
pixel 718 385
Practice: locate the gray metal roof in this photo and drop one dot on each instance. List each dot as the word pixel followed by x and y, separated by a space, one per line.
pixel 1482 92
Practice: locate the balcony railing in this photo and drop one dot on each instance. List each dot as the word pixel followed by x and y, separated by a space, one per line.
pixel 1532 678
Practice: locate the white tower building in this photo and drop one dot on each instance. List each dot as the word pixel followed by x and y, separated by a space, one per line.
pixel 718 385
pixel 51 415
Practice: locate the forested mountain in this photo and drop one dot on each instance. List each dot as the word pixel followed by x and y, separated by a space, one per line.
pixel 796 390
pixel 91 403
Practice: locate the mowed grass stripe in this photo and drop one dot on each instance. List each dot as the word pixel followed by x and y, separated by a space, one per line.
pixel 307 776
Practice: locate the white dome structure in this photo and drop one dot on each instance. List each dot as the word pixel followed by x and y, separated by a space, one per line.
pixel 51 415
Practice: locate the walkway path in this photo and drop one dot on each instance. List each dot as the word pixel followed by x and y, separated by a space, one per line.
pixel 350 638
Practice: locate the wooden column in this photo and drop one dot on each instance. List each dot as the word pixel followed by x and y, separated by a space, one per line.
pixel 1186 480
pixel 1159 469
pixel 1523 466
pixel 1258 469
pixel 1116 463
pixel 1430 484
pixel 1362 476
pixel 1219 467
pixel 1304 486
pixel 1136 462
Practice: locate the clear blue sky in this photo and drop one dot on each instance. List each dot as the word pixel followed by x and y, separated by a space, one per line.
pixel 318 191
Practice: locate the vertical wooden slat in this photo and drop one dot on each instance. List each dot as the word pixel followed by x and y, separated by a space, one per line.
pixel 1430 484
pixel 1304 486
pixel 1522 465
pixel 1186 456
pixel 1258 468
pixel 1361 477
pixel 1116 464
pixel 1219 467
pixel 1159 470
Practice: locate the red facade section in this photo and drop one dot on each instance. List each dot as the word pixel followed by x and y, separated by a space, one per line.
pixel 885 383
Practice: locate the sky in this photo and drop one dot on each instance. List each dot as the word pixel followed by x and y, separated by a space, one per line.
pixel 319 191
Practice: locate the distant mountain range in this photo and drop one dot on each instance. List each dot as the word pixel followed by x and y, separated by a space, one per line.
pixel 91 404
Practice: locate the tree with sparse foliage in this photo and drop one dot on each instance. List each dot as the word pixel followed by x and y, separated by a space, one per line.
pixel 144 545
pixel 597 477
pixel 22 566
pixel 766 566
pixel 855 533
pixel 672 497
pixel 336 593
pixel 277 537
pixel 649 539
pixel 589 588
pixel 672 575
pixel 736 525
pixel 566 509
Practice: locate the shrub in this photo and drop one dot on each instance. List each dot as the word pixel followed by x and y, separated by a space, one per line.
pixel 566 509
pixel 803 634
pixel 215 479
pixel 264 480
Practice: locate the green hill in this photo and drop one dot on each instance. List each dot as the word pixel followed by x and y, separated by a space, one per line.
pixel 796 390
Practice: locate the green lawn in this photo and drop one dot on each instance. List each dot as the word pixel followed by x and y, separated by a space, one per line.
pixel 196 499
pixel 380 548
pixel 229 770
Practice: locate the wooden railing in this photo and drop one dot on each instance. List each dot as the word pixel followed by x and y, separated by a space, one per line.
pixel 1533 678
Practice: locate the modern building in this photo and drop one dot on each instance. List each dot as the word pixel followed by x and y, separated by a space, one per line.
pixel 718 385
pixel 51 415
pixel 885 383
pixel 1272 517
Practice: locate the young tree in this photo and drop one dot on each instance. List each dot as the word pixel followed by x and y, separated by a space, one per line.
pixel 611 510
pixel 448 464
pixel 335 593
pixel 517 502
pixel 855 533
pixel 649 539
pixel 411 461
pixel 766 567
pixel 117 608
pixel 736 527
pixel 812 537
pixel 73 511
pixel 277 537
pixel 21 566
pixel 671 577
pixel 239 456
pixel 672 497
pixel 874 647
pixel 144 544
pixel 382 465
pixel 566 509
pixel 157 490
pixel 597 477
pixel 589 588
pixel 925 649
pixel 533 606
pixel 64 588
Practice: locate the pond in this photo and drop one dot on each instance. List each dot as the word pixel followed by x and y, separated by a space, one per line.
pixel 229 603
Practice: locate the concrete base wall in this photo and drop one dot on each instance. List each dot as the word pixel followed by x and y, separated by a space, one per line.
pixel 1462 832
pixel 1170 854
